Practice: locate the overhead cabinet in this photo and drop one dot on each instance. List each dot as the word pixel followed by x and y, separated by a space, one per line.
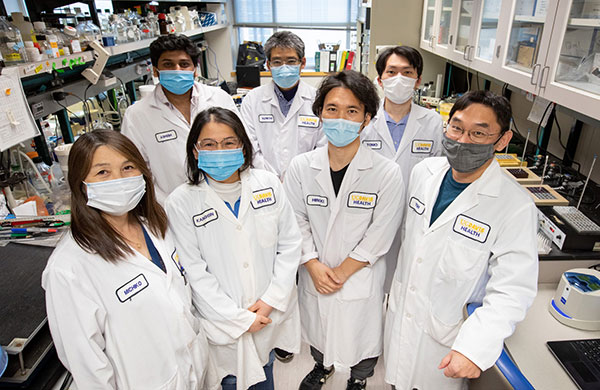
pixel 550 48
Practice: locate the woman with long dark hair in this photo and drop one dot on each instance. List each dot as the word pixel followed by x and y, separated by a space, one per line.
pixel 118 302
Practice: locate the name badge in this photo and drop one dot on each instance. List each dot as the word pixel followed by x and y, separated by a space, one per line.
pixel 317 200
pixel 362 200
pixel 132 288
pixel 205 217
pixel 263 198
pixel 166 136
pixel 308 121
pixel 373 144
pixel 422 146
pixel 471 228
pixel 416 205
pixel 266 118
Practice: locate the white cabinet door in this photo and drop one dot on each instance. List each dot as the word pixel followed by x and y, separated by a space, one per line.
pixel 571 75
pixel 485 51
pixel 464 34
pixel 525 45
pixel 429 23
pixel 444 42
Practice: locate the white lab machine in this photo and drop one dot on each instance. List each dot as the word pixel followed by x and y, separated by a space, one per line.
pixel 576 302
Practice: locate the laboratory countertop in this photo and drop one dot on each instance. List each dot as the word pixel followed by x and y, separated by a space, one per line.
pixel 557 254
pixel 528 344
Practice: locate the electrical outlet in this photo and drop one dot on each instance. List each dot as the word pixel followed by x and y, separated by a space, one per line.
pixel 432 101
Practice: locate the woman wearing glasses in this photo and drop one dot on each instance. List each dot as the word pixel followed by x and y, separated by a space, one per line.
pixel 240 244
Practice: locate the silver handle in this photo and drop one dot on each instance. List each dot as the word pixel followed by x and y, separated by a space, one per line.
pixel 498 51
pixel 533 74
pixel 465 53
pixel 544 80
pixel 431 40
pixel 470 53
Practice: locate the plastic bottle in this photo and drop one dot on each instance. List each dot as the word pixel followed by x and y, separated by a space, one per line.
pixel 44 46
pixel 24 26
pixel 95 30
pixel 146 30
pixel 72 39
pixel 86 35
pixel 42 183
pixel 170 24
pixel 32 53
pixel 11 44
pixel 120 29
pixel 153 22
pixel 64 48
pixel 52 40
pixel 133 32
pixel 103 19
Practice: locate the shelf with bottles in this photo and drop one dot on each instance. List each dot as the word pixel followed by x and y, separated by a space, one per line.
pixel 58 64
pixel 144 43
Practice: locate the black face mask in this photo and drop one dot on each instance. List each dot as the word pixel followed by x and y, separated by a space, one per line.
pixel 465 157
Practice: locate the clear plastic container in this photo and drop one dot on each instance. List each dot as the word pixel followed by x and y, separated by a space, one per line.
pixel 73 39
pixel 52 40
pixel 31 52
pixel 85 32
pixel 64 48
pixel 11 43
pixel 146 30
pixel 23 24
pixel 96 32
pixel 44 180
pixel 121 28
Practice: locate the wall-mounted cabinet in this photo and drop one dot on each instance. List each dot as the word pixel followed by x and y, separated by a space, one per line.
pixel 547 47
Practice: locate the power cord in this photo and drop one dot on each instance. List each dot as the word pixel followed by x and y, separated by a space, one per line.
pixel 537 132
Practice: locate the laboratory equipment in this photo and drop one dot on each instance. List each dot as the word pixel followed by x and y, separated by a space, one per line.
pixel 577 299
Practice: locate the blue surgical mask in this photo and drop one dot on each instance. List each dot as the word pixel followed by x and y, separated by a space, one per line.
pixel 177 81
pixel 341 132
pixel 286 76
pixel 220 164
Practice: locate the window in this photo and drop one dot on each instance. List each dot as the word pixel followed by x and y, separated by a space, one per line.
pixel 315 21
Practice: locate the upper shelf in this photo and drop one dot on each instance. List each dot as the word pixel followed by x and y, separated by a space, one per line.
pixel 581 22
pixel 144 43
pixel 529 19
pixel 58 64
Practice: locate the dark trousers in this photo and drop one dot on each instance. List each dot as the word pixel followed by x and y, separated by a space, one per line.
pixel 362 370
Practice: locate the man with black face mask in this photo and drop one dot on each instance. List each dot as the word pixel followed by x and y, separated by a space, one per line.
pixel 469 236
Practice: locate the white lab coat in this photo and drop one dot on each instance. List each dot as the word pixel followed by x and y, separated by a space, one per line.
pixel 233 262
pixel 346 326
pixel 160 132
pixel 127 324
pixel 482 248
pixel 277 139
pixel 422 138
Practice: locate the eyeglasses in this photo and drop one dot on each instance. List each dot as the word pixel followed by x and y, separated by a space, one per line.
pixel 477 136
pixel 289 61
pixel 226 143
